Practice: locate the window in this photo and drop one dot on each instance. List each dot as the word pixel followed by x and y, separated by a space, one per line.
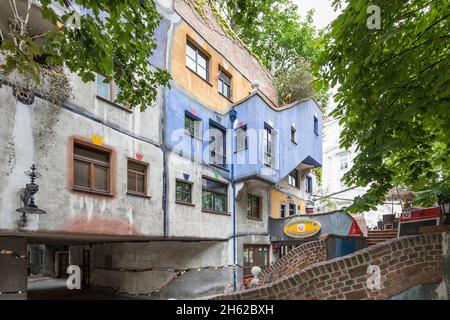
pixel 282 210
pixel 192 125
pixel 107 91
pixel 316 125
pixel 214 195
pixel 137 177
pixel 197 61
pixel 217 145
pixel 253 207
pixel 309 187
pixel 292 209
pixel 224 84
pixel 343 161
pixel 255 255
pixel 268 158
pixel 183 192
pixel 293 178
pixel 91 170
pixel 241 139
pixel 293 134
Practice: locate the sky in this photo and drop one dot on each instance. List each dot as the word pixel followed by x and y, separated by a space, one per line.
pixel 323 11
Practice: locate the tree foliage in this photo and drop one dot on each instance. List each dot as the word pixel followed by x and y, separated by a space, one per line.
pixel 115 39
pixel 283 41
pixel 394 96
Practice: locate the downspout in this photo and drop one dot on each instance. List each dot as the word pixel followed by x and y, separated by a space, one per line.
pixel 233 115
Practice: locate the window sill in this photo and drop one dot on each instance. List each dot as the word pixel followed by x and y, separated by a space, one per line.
pixel 93 192
pixel 185 203
pixel 220 167
pixel 136 194
pixel 255 219
pixel 224 96
pixel 295 142
pixel 222 213
pixel 209 83
pixel 114 104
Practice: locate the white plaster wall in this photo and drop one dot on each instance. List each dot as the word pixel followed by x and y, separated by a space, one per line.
pixel 40 134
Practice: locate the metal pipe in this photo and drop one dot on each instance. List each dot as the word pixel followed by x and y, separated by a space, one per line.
pixel 233 115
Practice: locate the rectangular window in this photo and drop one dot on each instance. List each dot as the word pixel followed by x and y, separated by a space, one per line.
pixel 316 125
pixel 241 139
pixel 183 192
pixel 255 255
pixel 192 125
pixel 293 178
pixel 292 209
pixel 197 61
pixel 268 158
pixel 309 187
pixel 343 162
pixel 91 168
pixel 224 84
pixel 107 91
pixel 282 210
pixel 137 177
pixel 214 195
pixel 217 145
pixel 253 207
pixel 293 134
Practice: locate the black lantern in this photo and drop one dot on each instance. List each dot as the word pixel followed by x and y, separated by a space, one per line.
pixel 27 197
pixel 444 204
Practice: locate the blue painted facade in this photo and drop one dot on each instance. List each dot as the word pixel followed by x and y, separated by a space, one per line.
pixel 255 114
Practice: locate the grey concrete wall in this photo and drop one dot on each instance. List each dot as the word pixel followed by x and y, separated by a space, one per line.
pixel 148 268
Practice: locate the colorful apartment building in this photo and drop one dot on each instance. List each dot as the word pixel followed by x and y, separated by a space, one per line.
pixel 143 201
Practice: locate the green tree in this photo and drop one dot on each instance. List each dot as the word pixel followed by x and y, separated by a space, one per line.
pixel 284 43
pixel 394 96
pixel 115 39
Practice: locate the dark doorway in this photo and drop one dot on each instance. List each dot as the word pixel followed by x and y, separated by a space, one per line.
pixel 63 263
pixel 86 268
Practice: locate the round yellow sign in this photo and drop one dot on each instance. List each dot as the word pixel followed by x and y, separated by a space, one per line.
pixel 302 228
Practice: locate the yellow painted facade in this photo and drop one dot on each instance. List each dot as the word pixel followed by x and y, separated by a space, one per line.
pixel 277 198
pixel 204 91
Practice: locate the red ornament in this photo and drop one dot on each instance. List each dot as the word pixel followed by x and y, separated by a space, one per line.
pixel 355 230
pixel 139 156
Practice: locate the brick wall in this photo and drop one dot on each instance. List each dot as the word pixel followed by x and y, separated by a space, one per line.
pixel 404 263
pixel 297 259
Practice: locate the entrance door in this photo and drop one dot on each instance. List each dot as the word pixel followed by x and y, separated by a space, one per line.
pixel 86 267
pixel 63 263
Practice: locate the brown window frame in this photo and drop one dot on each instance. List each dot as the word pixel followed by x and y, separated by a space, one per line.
pixel 145 174
pixel 92 163
pixel 225 211
pixel 181 201
pixel 112 93
pixel 229 85
pixel 250 207
pixel 198 52
pixel 247 269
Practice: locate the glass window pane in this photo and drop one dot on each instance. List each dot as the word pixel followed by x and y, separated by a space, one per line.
pixel 207 200
pixel 136 167
pixel 100 178
pixel 140 179
pixel 88 153
pixel 81 174
pixel 190 51
pixel 201 60
pixel 131 181
pixel 191 63
pixel 103 89
pixel 219 202
pixel 201 72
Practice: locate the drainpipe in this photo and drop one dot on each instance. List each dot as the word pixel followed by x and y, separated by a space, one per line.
pixel 233 116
